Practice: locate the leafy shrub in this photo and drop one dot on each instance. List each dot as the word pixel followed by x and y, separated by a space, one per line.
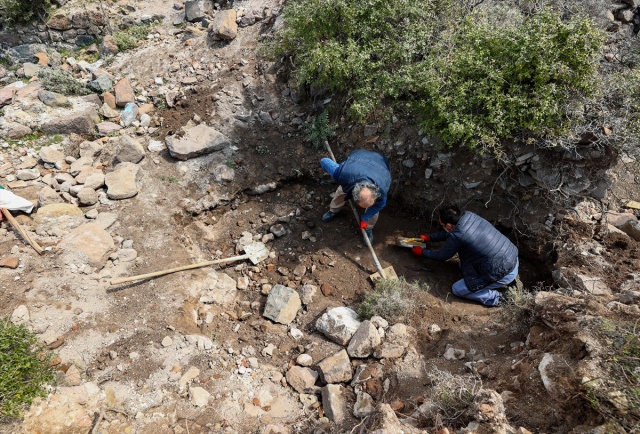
pixel 23 11
pixel 129 38
pixel 468 78
pixel 57 80
pixel 497 82
pixel 390 299
pixel 24 369
pixel 319 130
pixel 362 49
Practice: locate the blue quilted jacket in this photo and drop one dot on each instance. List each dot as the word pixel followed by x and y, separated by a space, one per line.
pixel 363 165
pixel 486 255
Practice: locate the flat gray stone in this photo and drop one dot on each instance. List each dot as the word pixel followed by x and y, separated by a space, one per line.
pixel 122 183
pixel 282 304
pixel 199 140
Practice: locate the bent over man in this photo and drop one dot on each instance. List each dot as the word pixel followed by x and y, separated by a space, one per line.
pixel 364 176
pixel 488 259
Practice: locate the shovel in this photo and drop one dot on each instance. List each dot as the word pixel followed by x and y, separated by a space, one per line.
pixel 255 252
pixel 382 273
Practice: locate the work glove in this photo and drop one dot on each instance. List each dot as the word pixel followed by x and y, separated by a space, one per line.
pixel 363 224
pixel 425 238
pixel 417 250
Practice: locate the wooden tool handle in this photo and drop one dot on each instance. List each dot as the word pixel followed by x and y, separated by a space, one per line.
pixel 173 270
pixel 22 232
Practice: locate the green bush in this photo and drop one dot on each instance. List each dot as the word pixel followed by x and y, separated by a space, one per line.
pixel 24 369
pixel 499 82
pixel 57 80
pixel 23 11
pixel 390 299
pixel 362 49
pixel 468 79
pixel 129 38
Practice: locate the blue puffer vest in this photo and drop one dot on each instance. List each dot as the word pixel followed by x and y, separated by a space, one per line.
pixel 363 165
pixel 486 255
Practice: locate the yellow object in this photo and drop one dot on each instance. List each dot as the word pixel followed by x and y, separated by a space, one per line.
pixel 411 242
pixel 633 204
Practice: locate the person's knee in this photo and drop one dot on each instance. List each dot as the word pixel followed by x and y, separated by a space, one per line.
pixel 459 288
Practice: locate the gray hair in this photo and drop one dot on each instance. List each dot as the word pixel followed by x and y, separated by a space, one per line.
pixel 357 189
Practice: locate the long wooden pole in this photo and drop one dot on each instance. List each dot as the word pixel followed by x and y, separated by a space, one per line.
pixel 355 213
pixel 184 267
pixel 22 232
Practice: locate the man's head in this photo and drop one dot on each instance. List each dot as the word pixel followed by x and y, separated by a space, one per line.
pixel 448 216
pixel 365 194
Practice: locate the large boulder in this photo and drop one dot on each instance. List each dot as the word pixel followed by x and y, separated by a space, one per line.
pixel 79 122
pixel 88 244
pixel 224 25
pixel 199 140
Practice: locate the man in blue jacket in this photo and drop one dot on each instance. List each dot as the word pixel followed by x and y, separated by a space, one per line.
pixel 365 177
pixel 488 259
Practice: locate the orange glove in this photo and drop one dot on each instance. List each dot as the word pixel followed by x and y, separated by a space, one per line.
pixel 363 224
pixel 425 237
pixel 417 250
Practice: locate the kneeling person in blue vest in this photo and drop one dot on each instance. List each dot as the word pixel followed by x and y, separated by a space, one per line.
pixel 488 260
pixel 365 177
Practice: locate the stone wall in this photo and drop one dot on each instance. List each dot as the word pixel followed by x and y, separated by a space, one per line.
pixel 80 28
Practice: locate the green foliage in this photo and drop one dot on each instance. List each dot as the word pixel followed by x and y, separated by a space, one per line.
pixel 468 79
pixel 64 52
pixel 130 38
pixel 24 369
pixel 319 130
pixel 23 11
pixel 263 149
pixel 390 299
pixel 363 50
pixel 57 80
pixel 5 62
pixel 496 83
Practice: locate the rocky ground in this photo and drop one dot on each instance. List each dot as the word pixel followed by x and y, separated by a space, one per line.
pixel 214 160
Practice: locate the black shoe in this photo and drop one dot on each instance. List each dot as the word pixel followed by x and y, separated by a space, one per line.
pixel 328 216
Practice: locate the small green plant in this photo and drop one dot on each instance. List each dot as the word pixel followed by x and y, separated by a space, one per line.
pixel 5 62
pixel 57 80
pixel 53 140
pixel 391 299
pixel 263 149
pixel 64 52
pixel 22 11
pixel 169 179
pixel 319 130
pixel 25 369
pixel 89 57
pixel 231 164
pixel 129 38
